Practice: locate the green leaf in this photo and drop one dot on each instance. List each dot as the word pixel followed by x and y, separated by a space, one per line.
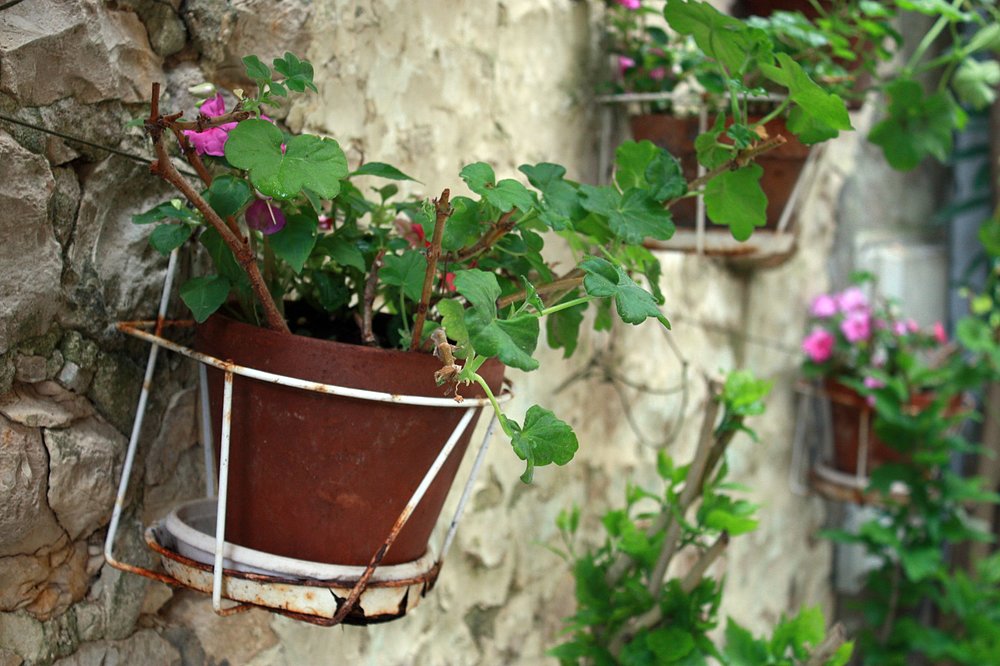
pixel 205 295
pixel 256 70
pixel 168 210
pixel 381 170
pixel 727 522
pixel 298 73
pixel 295 242
pixel 463 226
pixel 168 237
pixel 563 327
pixel 665 178
pixel 543 440
pixel 669 643
pixel 631 160
pixel 823 109
pixel 308 161
pixel 453 320
pixel 511 340
pixel 721 37
pixel 223 260
pixel 505 195
pixel 710 152
pixel 633 303
pixel 976 82
pixel 405 271
pixel 735 198
pixel 742 649
pixel 561 198
pixel 917 126
pixel 343 252
pixel 633 216
pixel 228 195
pixel 919 563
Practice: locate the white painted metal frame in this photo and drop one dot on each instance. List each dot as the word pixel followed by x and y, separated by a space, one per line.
pixel 231 370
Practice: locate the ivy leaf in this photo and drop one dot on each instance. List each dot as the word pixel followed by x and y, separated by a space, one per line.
pixel 168 237
pixel 511 340
pixel 917 126
pixel 975 82
pixel 381 170
pixel 605 280
pixel 710 152
pixel 505 195
pixel 298 73
pixel 296 240
pixel 205 295
pixel 453 320
pixel 543 440
pixel 823 109
pixel 307 162
pixel 735 198
pixel 631 160
pixel 343 252
pixel 463 227
pixel 223 260
pixel 256 70
pixel 670 644
pixel 632 216
pixel 563 327
pixel 721 37
pixel 227 195
pixel 561 198
pixel 168 210
pixel 405 271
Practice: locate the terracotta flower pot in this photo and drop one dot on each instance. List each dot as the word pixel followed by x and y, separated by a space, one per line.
pixel 781 165
pixel 852 416
pixel 768 7
pixel 320 477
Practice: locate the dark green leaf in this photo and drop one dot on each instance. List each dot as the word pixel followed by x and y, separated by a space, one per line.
pixel 721 37
pixel 735 198
pixel 381 170
pixel 505 195
pixel 223 260
pixel 168 237
pixel 307 162
pixel 298 73
pixel 544 439
pixel 205 295
pixel 511 340
pixel 562 201
pixel 463 228
pixel 295 242
pixel 228 195
pixel 605 280
pixel 343 252
pixel 405 271
pixel 256 70
pixel 823 109
pixel 168 210
pixel 633 216
pixel 917 126
pixel 669 644
pixel 453 320
pixel 632 158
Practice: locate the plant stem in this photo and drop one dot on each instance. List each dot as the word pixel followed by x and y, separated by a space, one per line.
pixel 493 401
pixel 163 168
pixel 206 122
pixel 741 159
pixel 778 110
pixel 443 210
pixel 571 280
pixel 928 40
pixel 368 300
pixel 500 229
pixel 568 304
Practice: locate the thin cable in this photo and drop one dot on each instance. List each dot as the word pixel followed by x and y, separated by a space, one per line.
pixel 68 137
pixel 8 5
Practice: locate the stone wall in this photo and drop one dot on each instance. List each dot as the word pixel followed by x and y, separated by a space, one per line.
pixel 427 86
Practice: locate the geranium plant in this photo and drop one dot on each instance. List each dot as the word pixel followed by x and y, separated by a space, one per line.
pixel 866 343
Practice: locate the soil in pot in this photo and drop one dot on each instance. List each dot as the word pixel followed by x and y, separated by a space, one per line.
pixel 323 478
pixel 781 165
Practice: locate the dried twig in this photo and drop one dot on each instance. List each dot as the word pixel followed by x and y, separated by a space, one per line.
pixel 207 122
pixel 563 284
pixel 443 210
pixel 502 227
pixel 367 336
pixel 741 159
pixel 836 637
pixel 163 168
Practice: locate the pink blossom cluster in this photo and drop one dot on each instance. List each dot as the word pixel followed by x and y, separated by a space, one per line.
pixel 630 4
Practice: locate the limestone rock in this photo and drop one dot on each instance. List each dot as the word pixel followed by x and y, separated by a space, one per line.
pixel 115 389
pixel 144 647
pixel 26 521
pixel 74 48
pixel 236 638
pixel 44 405
pixel 28 246
pixel 166 31
pixel 84 466
pixel 178 432
pixel 45 583
pixel 8 658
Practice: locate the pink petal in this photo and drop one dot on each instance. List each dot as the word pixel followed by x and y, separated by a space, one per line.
pixel 265 218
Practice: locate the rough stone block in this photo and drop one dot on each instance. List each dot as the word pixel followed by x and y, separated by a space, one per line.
pixel 74 48
pixel 26 521
pixel 28 246
pixel 30 369
pixel 144 647
pixel 84 466
pixel 44 405
pixel 45 583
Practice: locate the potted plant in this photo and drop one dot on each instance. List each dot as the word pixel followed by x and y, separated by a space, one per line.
pixel 630 612
pixel 857 344
pixel 734 78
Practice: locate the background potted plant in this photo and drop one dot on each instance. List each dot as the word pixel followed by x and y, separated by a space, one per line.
pixel 630 612
pixel 856 344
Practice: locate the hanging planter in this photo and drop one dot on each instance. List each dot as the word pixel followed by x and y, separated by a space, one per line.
pixel 320 477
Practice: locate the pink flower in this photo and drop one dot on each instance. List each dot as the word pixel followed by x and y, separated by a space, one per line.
pixel 265 218
pixel 900 328
pixel 212 140
pixel 630 4
pixel 657 73
pixel 940 334
pixel 856 326
pixel 912 325
pixel 872 383
pixel 818 345
pixel 823 306
pixel 325 223
pixel 852 299
pixel 625 63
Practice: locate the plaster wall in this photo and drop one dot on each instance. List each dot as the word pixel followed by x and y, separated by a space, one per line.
pixel 429 87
